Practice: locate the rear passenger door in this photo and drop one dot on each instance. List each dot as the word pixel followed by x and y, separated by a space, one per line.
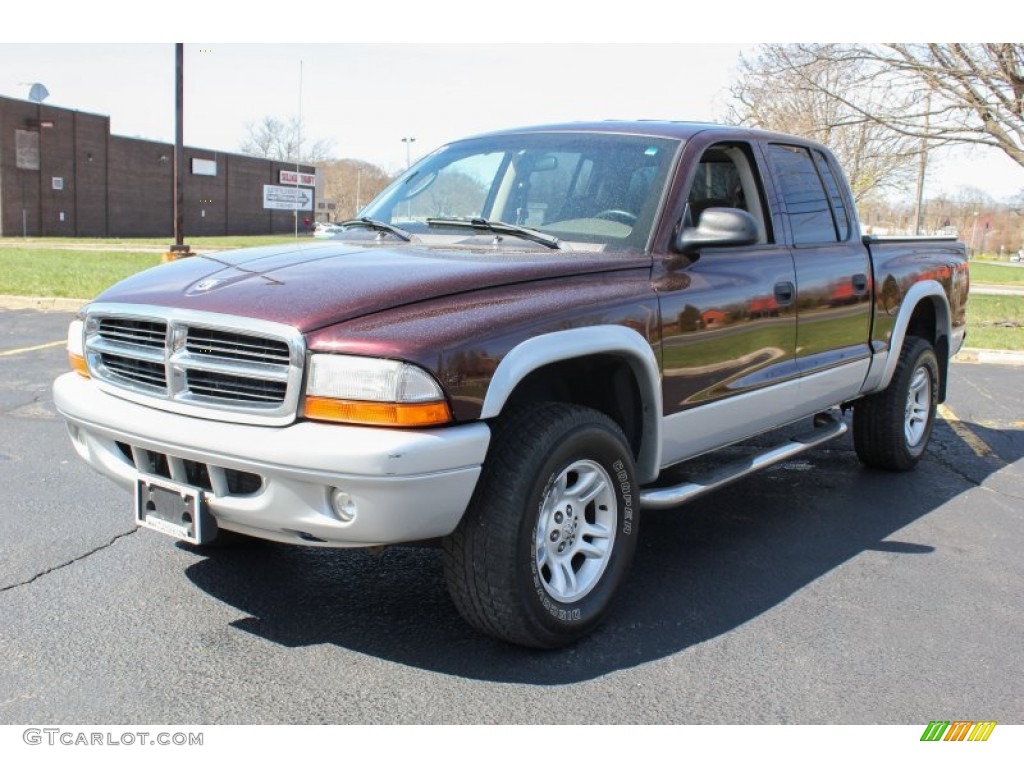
pixel 833 272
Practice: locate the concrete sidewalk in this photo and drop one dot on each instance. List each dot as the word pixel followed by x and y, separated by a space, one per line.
pixel 993 289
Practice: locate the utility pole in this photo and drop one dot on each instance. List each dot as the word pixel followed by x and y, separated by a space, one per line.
pixel 179 249
pixel 921 169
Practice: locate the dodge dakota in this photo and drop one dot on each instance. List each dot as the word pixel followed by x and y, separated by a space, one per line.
pixel 507 349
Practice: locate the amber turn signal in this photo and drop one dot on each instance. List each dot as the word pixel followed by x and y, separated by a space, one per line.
pixel 78 364
pixel 378 414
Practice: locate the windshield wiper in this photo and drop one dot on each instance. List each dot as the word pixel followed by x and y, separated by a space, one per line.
pixel 499 228
pixel 378 226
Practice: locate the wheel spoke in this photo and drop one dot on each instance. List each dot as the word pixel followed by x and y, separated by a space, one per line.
pixel 563 578
pixel 595 531
pixel 570 575
pixel 589 486
pixel 590 549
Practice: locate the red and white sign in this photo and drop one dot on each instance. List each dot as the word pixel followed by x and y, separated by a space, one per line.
pixel 291 177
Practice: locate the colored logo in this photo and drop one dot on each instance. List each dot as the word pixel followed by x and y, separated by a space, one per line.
pixel 958 730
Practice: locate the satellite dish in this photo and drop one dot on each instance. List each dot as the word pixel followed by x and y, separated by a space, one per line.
pixel 38 93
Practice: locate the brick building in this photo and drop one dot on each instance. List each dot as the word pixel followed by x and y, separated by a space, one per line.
pixel 62 174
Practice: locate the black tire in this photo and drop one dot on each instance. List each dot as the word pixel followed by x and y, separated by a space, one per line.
pixel 503 566
pixel 891 428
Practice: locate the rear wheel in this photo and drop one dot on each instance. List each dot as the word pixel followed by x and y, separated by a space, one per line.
pixel 891 429
pixel 550 532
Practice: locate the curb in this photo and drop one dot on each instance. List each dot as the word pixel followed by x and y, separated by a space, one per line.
pixel 989 356
pixel 42 303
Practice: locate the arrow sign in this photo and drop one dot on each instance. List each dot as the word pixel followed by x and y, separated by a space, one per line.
pixel 287 198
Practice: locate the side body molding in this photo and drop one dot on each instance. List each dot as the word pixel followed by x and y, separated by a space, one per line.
pixel 581 342
pixel 883 364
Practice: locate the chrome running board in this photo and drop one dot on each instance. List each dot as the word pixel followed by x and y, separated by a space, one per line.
pixel 827 427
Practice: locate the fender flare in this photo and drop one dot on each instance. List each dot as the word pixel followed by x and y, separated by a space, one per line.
pixel 928 290
pixel 573 343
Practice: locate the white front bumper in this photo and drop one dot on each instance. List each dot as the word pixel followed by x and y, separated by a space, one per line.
pixel 406 485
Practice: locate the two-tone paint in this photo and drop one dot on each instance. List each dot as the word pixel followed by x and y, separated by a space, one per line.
pixel 716 346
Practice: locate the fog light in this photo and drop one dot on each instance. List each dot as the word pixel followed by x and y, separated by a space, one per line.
pixel 344 506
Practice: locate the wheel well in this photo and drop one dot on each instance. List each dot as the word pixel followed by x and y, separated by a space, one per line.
pixel 605 383
pixel 924 324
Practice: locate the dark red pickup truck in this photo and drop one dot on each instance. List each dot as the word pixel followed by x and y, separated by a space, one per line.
pixel 508 348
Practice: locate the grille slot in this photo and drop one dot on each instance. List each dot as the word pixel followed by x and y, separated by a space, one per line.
pixel 228 387
pixel 135 371
pixel 220 481
pixel 236 346
pixel 141 333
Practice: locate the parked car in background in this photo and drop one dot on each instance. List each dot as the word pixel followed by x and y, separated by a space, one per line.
pixel 326 229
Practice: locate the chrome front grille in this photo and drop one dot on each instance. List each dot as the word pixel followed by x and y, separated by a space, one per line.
pixel 199 363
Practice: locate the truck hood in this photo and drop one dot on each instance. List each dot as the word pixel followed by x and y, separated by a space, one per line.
pixel 312 285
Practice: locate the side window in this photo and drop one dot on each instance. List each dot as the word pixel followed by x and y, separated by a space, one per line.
pixel 838 206
pixel 803 195
pixel 725 179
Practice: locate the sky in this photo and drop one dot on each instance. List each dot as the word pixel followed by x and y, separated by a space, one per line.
pixel 365 97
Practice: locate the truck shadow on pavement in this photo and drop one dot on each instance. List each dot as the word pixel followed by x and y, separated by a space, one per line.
pixel 700 571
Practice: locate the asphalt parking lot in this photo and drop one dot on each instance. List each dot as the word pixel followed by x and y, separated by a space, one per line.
pixel 815 592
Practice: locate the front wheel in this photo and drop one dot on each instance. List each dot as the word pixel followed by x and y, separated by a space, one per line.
pixel 891 428
pixel 551 530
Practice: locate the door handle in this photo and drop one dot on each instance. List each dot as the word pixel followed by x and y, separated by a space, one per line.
pixel 860 284
pixel 784 293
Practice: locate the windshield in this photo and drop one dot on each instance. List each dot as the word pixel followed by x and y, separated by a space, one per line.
pixel 593 191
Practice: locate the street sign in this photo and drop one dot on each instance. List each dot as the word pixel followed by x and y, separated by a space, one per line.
pixel 287 198
pixel 291 177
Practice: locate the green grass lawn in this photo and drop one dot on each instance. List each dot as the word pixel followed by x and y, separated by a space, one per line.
pixel 74 274
pixel 995 322
pixel 80 268
pixel 997 273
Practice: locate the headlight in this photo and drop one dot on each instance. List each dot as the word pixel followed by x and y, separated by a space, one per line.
pixel 76 348
pixel 366 390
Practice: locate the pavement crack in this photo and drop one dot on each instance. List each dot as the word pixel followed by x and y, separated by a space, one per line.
pixel 1003 493
pixel 951 467
pixel 73 560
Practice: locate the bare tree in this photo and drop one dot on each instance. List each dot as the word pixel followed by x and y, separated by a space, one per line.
pixel 964 93
pixel 786 88
pixel 277 139
pixel 351 184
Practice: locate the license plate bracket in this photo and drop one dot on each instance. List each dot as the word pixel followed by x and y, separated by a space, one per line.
pixel 174 509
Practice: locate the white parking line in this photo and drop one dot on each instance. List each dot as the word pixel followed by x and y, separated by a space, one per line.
pixel 10 352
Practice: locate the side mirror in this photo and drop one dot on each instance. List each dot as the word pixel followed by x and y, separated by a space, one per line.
pixel 718 228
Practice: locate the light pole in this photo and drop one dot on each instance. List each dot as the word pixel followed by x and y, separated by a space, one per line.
pixel 408 140
pixel 974 234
